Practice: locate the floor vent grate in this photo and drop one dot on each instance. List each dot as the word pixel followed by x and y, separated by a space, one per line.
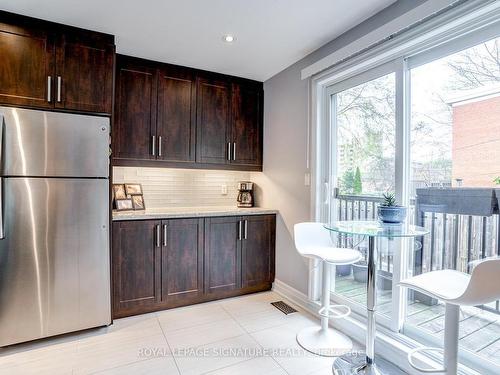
pixel 283 307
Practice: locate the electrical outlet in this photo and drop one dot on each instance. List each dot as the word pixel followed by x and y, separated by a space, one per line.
pixel 223 189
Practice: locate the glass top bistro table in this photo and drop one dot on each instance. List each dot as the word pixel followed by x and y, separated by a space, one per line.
pixel 356 364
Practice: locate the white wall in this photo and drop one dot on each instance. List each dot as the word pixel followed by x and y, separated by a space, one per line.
pixel 281 185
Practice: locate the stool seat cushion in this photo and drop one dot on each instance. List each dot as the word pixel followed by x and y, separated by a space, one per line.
pixel 333 255
pixel 446 285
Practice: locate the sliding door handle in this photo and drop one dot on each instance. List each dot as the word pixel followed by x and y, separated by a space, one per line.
pixel 2 233
pixel 153 145
pixel 164 235
pixel 157 236
pixel 59 85
pixel 49 89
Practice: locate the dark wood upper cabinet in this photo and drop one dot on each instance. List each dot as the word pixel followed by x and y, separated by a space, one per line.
pixel 52 66
pixel 176 122
pixel 182 260
pixel 222 254
pixel 135 114
pixel 136 266
pixel 174 116
pixel 26 65
pixel 213 118
pixel 84 74
pixel 258 246
pixel 246 129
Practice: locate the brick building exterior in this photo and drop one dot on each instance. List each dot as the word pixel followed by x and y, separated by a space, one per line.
pixel 476 140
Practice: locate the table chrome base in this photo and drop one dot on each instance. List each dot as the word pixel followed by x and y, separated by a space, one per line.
pixel 355 363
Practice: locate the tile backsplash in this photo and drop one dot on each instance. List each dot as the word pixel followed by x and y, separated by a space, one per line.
pixel 164 187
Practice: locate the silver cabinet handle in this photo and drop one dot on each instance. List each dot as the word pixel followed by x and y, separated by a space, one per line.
pixel 153 147
pixel 246 229
pixel 234 150
pixel 239 230
pixel 157 236
pixel 228 150
pixel 59 84
pixel 164 235
pixel 159 145
pixel 49 89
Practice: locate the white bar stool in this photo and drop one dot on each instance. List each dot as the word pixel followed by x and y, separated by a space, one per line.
pixel 455 289
pixel 312 240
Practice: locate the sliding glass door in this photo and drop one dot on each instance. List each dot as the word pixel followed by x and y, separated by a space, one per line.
pixel 455 142
pixel 363 127
pixel 427 121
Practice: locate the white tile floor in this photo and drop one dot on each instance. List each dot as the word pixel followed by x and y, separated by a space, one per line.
pixel 219 338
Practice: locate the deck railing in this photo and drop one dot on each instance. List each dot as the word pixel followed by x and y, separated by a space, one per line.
pixel 455 241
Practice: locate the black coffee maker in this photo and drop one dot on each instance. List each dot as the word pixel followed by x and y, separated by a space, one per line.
pixel 245 195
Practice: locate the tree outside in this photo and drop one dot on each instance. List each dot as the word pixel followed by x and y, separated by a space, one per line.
pixel 366 121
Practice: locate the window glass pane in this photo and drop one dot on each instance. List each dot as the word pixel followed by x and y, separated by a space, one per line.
pixel 455 142
pixel 365 118
pixel 364 122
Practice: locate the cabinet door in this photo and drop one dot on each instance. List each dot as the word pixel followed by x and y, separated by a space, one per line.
pixel 135 115
pixel 26 66
pixel 258 250
pixel 84 75
pixel 222 254
pixel 182 260
pixel 136 266
pixel 212 121
pixel 176 115
pixel 246 125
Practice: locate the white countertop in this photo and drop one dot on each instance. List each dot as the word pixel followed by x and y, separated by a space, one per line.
pixel 180 212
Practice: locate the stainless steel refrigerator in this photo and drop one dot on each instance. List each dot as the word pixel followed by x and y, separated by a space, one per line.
pixel 54 224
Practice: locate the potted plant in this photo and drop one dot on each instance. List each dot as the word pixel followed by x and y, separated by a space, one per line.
pixel 360 271
pixel 344 270
pixel 389 211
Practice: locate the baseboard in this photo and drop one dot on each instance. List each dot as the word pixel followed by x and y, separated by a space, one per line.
pixel 389 345
pixel 296 297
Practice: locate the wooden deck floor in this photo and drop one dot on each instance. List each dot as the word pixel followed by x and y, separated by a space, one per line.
pixel 479 329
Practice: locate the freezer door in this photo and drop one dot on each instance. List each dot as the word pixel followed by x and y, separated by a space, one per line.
pixel 51 144
pixel 54 257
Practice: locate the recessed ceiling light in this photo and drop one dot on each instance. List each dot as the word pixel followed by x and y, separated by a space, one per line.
pixel 228 38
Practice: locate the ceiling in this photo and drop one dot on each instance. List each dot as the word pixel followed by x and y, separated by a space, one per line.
pixel 270 34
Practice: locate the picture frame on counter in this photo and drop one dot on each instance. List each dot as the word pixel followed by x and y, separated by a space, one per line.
pixel 133 189
pixel 119 191
pixel 138 202
pixel 124 204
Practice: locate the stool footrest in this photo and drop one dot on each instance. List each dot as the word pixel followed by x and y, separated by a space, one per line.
pixel 412 353
pixel 335 311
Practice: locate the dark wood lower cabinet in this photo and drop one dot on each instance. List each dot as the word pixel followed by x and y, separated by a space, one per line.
pixel 222 254
pixel 136 267
pixel 258 258
pixel 182 260
pixel 163 264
